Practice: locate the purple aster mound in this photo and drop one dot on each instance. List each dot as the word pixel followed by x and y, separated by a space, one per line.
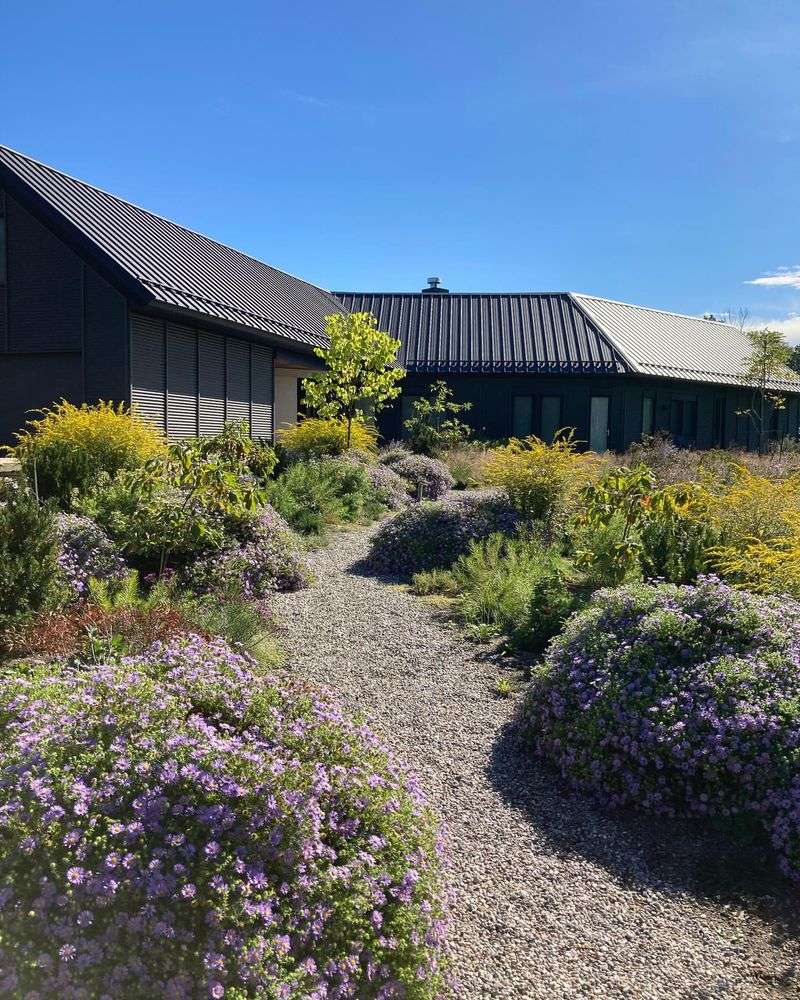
pixel 266 557
pixel 680 700
pixel 86 552
pixel 430 535
pixel 424 475
pixel 177 826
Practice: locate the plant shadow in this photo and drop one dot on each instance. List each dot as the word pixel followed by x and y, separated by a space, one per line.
pixel 675 857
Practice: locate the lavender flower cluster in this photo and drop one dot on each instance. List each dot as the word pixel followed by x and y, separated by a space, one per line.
pixel 430 535
pixel 177 826
pixel 265 558
pixel 427 476
pixel 86 552
pixel 679 700
pixel 390 488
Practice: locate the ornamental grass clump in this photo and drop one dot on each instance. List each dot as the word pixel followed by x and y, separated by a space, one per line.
pixel 319 438
pixel 86 553
pixel 431 535
pixel 682 700
pixel 176 826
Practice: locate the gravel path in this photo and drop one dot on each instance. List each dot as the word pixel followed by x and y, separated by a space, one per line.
pixel 553 898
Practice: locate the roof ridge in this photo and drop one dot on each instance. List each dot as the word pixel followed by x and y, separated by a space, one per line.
pixel 663 312
pixel 444 295
pixel 162 218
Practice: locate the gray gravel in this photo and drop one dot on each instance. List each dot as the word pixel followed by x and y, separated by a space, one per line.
pixel 552 897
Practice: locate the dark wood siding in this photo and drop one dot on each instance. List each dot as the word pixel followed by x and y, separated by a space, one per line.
pixel 63 329
pixel 44 287
pixel 211 378
pixel 149 369
pixel 492 398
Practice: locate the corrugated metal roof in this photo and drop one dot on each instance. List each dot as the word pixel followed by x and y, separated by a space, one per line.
pixel 178 266
pixel 670 345
pixel 492 332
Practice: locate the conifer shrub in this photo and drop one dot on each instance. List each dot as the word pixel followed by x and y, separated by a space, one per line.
pixel 176 825
pixel 29 571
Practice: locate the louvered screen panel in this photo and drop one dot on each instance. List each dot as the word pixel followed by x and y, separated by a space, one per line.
pixel 237 383
pixel 148 372
pixel 211 358
pixel 263 391
pixel 181 381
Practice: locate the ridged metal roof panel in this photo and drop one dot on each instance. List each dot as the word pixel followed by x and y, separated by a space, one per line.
pixel 670 345
pixel 178 266
pixel 489 332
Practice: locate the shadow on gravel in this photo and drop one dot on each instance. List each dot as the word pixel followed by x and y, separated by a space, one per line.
pixel 361 567
pixel 674 857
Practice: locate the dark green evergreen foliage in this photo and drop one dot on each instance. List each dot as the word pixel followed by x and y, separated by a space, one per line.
pixel 28 553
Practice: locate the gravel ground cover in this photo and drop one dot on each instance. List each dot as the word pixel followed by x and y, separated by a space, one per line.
pixel 552 898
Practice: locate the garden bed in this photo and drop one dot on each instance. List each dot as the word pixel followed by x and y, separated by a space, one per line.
pixel 552 897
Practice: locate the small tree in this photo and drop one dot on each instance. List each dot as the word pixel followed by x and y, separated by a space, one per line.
pixel 433 425
pixel 765 365
pixel 359 370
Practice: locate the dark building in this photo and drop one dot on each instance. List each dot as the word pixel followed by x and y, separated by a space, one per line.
pixel 533 362
pixel 100 299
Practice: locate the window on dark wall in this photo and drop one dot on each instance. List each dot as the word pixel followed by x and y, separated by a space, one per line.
pixel 522 416
pixel 648 415
pixel 683 421
pixel 551 417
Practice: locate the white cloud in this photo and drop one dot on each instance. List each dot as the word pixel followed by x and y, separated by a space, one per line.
pixel 784 277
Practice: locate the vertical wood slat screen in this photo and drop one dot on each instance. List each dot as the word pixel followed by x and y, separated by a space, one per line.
pixel 149 370
pixel 263 391
pixel 181 382
pixel 191 382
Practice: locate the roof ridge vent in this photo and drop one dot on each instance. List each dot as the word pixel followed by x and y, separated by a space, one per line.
pixel 434 287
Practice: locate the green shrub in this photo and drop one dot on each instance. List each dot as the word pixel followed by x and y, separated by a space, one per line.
pixel 183 827
pixel 29 570
pixel 433 426
pixel 68 447
pixel 315 494
pixel 518 585
pixel 318 438
pixel 154 524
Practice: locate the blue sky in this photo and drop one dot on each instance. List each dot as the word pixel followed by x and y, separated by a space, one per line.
pixel 648 152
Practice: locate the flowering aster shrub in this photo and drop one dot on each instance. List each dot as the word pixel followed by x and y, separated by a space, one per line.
pixel 391 489
pixel 86 552
pixel 428 475
pixel 265 558
pixel 683 700
pixel 431 535
pixel 176 826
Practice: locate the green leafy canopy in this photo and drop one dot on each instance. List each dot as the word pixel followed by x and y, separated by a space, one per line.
pixel 360 369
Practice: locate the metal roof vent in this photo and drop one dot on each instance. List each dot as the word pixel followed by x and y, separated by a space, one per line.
pixel 434 287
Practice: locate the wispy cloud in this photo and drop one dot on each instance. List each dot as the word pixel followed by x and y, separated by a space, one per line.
pixel 784 277
pixel 310 99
